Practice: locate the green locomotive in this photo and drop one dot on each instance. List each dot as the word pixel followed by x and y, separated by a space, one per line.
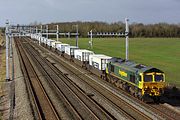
pixel 138 79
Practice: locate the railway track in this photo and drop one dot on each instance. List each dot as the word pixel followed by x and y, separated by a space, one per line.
pixel 165 112
pixel 129 111
pixel 42 106
pixel 82 106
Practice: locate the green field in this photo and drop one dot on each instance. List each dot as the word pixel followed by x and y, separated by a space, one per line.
pixel 163 53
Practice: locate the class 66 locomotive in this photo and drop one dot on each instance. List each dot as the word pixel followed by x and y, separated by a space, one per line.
pixel 141 81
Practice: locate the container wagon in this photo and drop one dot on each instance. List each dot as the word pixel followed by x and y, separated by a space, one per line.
pixel 61 48
pixel 97 64
pixel 69 52
pixel 81 57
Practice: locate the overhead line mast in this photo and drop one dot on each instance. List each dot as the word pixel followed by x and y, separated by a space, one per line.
pixel 7 51
pixel 127 38
pixel 57 35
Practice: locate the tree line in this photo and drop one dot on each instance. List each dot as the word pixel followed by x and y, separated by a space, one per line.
pixel 136 29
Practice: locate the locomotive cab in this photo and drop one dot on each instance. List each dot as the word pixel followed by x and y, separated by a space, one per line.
pixel 153 82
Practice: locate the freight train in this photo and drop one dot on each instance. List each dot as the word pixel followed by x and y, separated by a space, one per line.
pixel 139 80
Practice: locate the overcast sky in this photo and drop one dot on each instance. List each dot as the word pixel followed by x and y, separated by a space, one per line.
pixel 46 11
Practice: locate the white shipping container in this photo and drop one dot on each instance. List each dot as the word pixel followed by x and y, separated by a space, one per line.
pixel 92 56
pixel 82 54
pixel 32 36
pixel 39 38
pixel 99 61
pixel 42 39
pixel 49 41
pixel 61 47
pixel 54 44
pixel 70 50
pixel 35 36
pixel 45 40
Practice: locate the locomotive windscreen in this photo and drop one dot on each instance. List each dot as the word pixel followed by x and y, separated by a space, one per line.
pixel 148 78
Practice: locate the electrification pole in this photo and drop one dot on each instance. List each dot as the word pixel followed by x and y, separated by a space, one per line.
pixel 91 39
pixel 41 30
pixel 47 31
pixel 30 29
pixel 10 44
pixel 36 30
pixel 69 35
pixel 57 33
pixel 7 51
pixel 127 37
pixel 76 35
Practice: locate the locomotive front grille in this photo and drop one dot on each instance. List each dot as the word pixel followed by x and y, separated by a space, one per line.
pixel 153 89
